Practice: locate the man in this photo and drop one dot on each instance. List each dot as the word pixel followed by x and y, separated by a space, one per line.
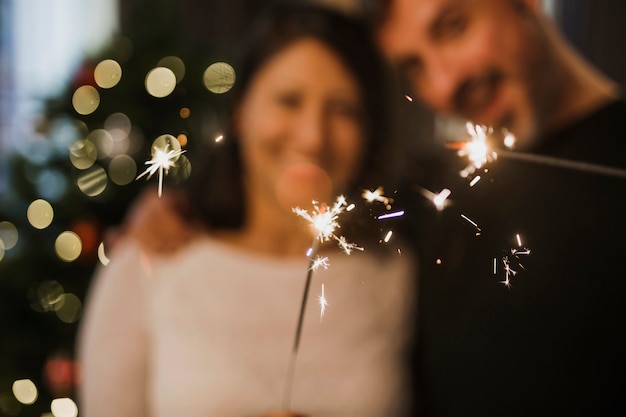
pixel 522 289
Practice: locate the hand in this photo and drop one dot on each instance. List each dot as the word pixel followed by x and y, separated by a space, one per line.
pixel 157 223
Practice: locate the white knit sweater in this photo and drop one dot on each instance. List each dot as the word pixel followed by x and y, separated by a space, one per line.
pixel 209 332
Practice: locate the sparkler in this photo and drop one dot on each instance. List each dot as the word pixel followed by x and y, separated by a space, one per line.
pixel 162 160
pixel 323 303
pixel 515 253
pixel 324 220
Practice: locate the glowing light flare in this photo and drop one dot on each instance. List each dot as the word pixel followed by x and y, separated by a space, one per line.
pixel 8 234
pixel 68 246
pixel 160 82
pixel 472 222
pixel 85 100
pixel 161 162
pixel 104 260
pixel 107 73
pixel 64 407
pixel 219 77
pixel 388 236
pixel 319 262
pixel 25 391
pixel 321 299
pixel 40 214
pixel 391 215
pixel 324 222
pixel 440 199
pixel 376 195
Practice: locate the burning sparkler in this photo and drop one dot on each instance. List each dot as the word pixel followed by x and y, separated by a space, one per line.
pixel 323 303
pixel 162 159
pixel 514 253
pixel 324 220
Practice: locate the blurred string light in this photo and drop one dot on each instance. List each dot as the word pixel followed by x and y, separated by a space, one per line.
pixel 219 77
pixel 175 64
pixel 104 260
pixel 40 214
pixel 68 246
pixel 8 234
pixel 85 99
pixel 160 82
pixel 50 296
pixel 122 169
pixel 107 73
pixel 64 407
pixel 25 391
pixel 92 181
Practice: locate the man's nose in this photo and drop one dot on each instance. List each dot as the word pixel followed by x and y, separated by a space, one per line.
pixel 441 82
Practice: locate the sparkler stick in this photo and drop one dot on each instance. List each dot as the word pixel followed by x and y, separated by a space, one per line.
pixel 296 342
pixel 324 221
pixel 564 163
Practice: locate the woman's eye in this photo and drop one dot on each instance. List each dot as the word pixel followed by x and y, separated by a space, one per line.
pixel 289 100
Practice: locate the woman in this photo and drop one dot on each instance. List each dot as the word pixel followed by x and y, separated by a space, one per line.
pixel 209 329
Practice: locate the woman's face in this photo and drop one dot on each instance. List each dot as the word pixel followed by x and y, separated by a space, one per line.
pixel 300 127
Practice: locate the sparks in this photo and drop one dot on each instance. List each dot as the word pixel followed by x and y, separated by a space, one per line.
pixel 391 215
pixel 319 261
pixel 323 303
pixel 162 160
pixel 440 199
pixel 470 221
pixel 324 221
pixel 476 149
pixel 376 195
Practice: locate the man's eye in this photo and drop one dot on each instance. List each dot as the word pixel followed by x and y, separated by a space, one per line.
pixel 344 109
pixel 410 67
pixel 453 26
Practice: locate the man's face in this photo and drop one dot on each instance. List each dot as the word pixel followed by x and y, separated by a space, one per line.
pixel 484 60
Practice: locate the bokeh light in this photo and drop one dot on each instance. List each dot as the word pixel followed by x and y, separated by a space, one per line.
pixel 102 255
pixel 175 64
pixel 45 296
pixel 160 82
pixel 107 73
pixel 219 77
pixel 181 171
pixel 122 169
pixel 8 234
pixel 83 154
pixel 93 181
pixel 68 246
pixel 119 126
pixel 182 139
pixel 63 407
pixel 86 99
pixel 166 141
pixel 103 141
pixel 70 308
pixel 184 113
pixel 1 250
pixel 40 214
pixel 25 391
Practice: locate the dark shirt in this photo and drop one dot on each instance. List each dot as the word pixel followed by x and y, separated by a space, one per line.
pixel 553 342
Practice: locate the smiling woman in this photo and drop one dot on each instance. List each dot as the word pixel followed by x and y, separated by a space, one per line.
pixel 208 329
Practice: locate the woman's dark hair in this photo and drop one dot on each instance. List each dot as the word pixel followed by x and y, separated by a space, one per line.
pixel 216 186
